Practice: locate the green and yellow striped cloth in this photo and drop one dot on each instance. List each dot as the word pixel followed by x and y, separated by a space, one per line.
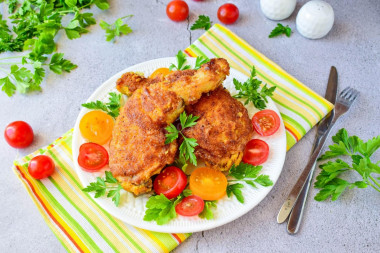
pixel 82 225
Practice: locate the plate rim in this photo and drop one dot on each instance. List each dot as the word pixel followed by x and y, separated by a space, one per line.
pixel 151 225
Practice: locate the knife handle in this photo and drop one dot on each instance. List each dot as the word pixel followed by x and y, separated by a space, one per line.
pixel 296 215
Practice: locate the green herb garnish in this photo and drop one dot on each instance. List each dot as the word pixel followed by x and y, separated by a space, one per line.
pixel 203 22
pixel 33 27
pixel 116 29
pixel 249 174
pixel 103 185
pixel 280 29
pixel 112 108
pixel 249 90
pixel 360 153
pixel 186 150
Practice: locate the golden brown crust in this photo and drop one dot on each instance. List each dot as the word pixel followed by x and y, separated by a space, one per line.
pixel 129 82
pixel 137 148
pixel 222 131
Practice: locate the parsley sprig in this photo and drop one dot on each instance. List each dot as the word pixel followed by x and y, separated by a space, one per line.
pixel 103 185
pixel 203 22
pixel 116 29
pixel 34 26
pixel 249 174
pixel 181 61
pixel 280 29
pixel 251 92
pixel 161 209
pixel 186 150
pixel 112 108
pixel 360 153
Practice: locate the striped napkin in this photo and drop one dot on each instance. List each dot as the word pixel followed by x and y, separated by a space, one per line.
pixel 81 225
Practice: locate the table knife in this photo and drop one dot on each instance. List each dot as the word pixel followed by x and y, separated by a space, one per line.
pixel 296 206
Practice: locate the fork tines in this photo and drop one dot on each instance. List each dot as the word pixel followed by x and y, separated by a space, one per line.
pixel 349 94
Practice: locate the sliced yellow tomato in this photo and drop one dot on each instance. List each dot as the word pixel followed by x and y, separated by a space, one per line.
pixel 160 71
pixel 96 126
pixel 208 183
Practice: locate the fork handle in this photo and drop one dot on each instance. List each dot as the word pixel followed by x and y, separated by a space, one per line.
pixel 295 192
pixel 295 217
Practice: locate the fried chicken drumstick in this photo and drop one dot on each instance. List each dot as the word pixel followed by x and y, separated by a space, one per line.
pixel 137 148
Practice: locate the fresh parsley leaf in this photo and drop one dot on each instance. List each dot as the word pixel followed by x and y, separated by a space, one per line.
pixel 112 108
pixel 58 64
pixel 161 209
pixel 102 185
pixel 207 212
pixel 172 134
pixel 117 29
pixel 187 148
pixel 249 174
pixel 235 189
pixel 250 90
pixel 203 22
pixel 280 29
pixel 328 180
pixel 102 4
pixel 200 61
pixel 181 60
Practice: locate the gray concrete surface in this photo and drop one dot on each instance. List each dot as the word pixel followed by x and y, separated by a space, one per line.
pixel 350 224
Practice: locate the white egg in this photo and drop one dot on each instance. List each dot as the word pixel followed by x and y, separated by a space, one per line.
pixel 277 9
pixel 315 19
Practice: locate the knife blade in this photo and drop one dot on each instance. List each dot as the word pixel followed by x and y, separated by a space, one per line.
pixel 287 207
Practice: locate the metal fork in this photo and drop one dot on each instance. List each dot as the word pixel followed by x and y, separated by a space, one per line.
pixel 345 100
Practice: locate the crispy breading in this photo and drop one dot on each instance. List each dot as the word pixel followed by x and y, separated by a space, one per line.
pixel 137 148
pixel 129 82
pixel 222 131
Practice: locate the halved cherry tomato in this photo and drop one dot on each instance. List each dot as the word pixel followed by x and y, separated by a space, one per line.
pixel 190 206
pixel 92 157
pixel 41 166
pixel 170 182
pixel 208 183
pixel 228 13
pixel 177 10
pixel 19 134
pixel 96 126
pixel 266 122
pixel 256 152
pixel 160 71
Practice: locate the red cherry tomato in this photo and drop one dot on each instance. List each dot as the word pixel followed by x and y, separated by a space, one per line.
pixel 228 13
pixel 92 157
pixel 41 166
pixel 266 122
pixel 170 182
pixel 190 206
pixel 19 134
pixel 256 152
pixel 177 10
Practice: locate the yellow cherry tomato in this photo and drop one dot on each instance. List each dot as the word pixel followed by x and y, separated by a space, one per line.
pixel 208 183
pixel 96 126
pixel 160 71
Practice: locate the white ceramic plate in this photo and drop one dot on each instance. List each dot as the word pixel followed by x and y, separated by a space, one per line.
pixel 132 209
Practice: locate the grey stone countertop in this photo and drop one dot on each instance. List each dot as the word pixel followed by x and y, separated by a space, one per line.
pixel 350 224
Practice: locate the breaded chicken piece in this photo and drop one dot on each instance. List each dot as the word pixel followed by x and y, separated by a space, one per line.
pixel 222 130
pixel 137 149
pixel 129 82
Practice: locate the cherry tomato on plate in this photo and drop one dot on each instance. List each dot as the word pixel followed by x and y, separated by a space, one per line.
pixel 266 122
pixel 256 152
pixel 208 183
pixel 160 71
pixel 170 182
pixel 92 157
pixel 96 126
pixel 177 10
pixel 19 134
pixel 228 13
pixel 41 166
pixel 190 206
